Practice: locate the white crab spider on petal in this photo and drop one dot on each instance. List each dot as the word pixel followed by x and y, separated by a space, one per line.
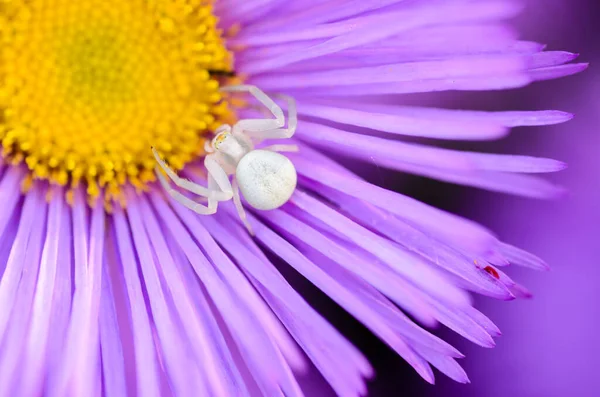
pixel 266 178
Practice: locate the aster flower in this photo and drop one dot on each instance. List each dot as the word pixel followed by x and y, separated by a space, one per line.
pixel 111 288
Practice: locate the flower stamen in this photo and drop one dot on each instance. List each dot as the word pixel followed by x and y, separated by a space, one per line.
pixel 86 87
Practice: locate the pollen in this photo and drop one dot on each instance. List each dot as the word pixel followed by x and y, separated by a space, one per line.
pixel 88 86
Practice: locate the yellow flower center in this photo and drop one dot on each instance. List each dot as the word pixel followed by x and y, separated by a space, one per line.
pixel 87 86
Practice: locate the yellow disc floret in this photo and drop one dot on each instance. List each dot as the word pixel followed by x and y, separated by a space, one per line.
pixel 88 86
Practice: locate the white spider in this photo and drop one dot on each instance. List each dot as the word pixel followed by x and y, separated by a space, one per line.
pixel 266 178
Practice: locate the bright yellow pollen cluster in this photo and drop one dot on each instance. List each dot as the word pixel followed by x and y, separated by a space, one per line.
pixel 88 86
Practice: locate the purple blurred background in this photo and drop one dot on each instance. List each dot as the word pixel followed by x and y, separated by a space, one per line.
pixel 550 344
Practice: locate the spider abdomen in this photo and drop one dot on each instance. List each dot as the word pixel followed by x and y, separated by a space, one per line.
pixel 266 179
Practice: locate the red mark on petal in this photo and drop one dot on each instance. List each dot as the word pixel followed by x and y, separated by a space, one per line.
pixel 490 270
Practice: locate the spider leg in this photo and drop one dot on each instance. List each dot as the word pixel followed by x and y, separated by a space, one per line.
pixel 258 125
pixel 186 201
pixel 281 132
pixel 237 201
pixel 187 184
pixel 281 148
pixel 220 176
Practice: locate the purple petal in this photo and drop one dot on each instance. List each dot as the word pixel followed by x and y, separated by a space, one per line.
pixel 522 258
pixel 36 344
pixel 201 344
pixel 16 261
pixel 452 261
pixel 417 213
pixel 367 29
pixel 113 362
pixel 406 124
pixel 9 195
pixel 79 370
pixel 555 72
pixel 182 369
pixel 20 311
pixel 457 68
pixel 289 305
pixel 370 312
pixel 410 267
pixel 146 360
pixel 239 304
pixel 392 154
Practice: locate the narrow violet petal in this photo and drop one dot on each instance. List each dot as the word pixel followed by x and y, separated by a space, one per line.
pixel 517 184
pixel 180 366
pixel 37 341
pixel 521 292
pixel 388 153
pixel 16 260
pixel 8 239
pixel 517 290
pixel 457 319
pixel 61 305
pixel 483 321
pixel 370 148
pixel 394 54
pixel 440 41
pixel 396 342
pixel 550 58
pixel 413 211
pixel 250 11
pixel 83 335
pixel 428 43
pixel 59 383
pixel 368 314
pixel 89 352
pixel 407 125
pixel 374 272
pixel 555 72
pixel 147 365
pixel 342 365
pixel 462 324
pixel 503 118
pixel 200 342
pixel 15 338
pixel 321 13
pixel 452 261
pixel 254 343
pixel 9 195
pixel 523 258
pixel 352 33
pixel 113 363
pixel 235 383
pixel 385 56
pixel 447 365
pixel 289 304
pixel 410 267
pixel 456 68
pixel 485 83
pixel 241 284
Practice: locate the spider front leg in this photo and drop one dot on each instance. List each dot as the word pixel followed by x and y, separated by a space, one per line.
pixel 214 193
pixel 237 201
pixel 281 148
pixel 198 208
pixel 216 171
pixel 280 132
pixel 218 195
pixel 257 125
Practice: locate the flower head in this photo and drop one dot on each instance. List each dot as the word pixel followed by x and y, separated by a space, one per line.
pixel 89 86
pixel 150 298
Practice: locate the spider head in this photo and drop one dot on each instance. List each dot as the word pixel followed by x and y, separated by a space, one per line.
pixel 222 135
